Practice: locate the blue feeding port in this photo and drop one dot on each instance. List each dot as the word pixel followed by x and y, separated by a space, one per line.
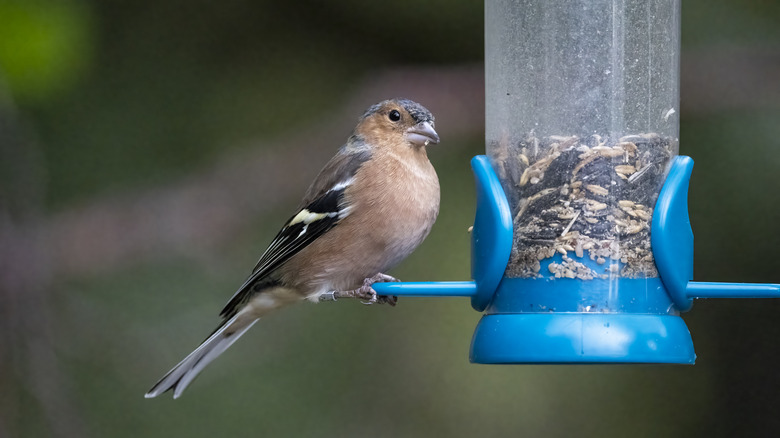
pixel 491 243
pixel 564 320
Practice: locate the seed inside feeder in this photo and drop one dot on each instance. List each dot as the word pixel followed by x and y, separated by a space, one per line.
pixel 584 199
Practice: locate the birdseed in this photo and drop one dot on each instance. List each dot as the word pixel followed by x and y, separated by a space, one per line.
pixel 583 199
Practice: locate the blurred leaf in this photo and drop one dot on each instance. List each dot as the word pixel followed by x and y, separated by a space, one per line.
pixel 44 45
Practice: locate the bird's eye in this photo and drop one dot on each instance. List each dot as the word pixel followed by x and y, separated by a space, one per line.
pixel 394 115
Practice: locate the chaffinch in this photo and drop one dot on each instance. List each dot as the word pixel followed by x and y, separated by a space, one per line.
pixel 368 209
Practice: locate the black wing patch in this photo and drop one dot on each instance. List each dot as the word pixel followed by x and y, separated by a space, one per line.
pixel 310 223
pixel 327 203
pixel 323 208
pixel 299 231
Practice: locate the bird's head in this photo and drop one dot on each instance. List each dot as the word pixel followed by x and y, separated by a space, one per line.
pixel 398 121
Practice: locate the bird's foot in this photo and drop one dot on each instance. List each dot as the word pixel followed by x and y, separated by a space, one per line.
pixel 366 292
pixel 372 296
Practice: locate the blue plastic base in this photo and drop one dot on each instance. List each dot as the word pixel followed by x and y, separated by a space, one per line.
pixel 564 295
pixel 586 338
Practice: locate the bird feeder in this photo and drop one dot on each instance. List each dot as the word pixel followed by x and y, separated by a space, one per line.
pixel 582 250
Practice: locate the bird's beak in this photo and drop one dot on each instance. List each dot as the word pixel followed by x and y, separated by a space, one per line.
pixel 421 134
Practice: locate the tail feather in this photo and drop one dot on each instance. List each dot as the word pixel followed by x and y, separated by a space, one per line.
pixel 185 372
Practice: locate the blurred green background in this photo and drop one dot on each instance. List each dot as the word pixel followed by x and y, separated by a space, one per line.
pixel 149 150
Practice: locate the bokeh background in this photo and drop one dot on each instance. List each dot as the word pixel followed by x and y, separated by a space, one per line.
pixel 149 150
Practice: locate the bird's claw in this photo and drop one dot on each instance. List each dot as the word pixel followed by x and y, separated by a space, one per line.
pixel 365 292
pixel 368 293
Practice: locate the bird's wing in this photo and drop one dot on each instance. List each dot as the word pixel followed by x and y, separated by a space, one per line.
pixel 322 208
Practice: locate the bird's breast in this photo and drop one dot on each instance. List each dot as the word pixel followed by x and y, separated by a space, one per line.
pixel 397 210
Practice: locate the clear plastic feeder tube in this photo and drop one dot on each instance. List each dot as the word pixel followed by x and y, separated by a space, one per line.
pixel 582 105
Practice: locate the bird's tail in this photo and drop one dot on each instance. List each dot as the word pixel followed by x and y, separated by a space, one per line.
pixel 185 372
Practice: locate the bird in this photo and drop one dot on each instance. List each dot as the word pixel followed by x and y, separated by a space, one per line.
pixel 369 207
